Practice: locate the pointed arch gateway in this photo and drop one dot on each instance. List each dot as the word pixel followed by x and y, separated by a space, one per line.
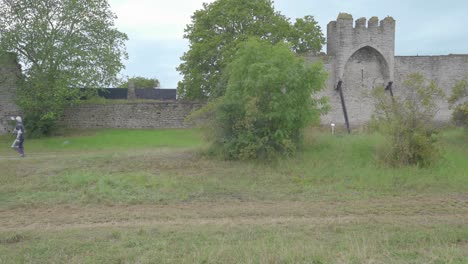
pixel 364 70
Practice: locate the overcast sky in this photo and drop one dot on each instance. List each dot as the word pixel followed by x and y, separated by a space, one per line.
pixel 155 28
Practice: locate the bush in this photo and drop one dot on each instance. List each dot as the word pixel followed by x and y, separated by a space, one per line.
pixel 460 115
pixel 407 121
pixel 268 102
pixel 43 110
pixel 458 101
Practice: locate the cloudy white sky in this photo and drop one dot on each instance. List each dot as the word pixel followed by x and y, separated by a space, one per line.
pixel 155 28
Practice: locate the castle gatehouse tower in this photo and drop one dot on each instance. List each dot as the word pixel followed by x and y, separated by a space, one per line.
pixel 361 56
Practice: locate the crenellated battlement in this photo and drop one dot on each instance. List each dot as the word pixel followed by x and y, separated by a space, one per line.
pixel 346 21
pixel 345 36
pixel 345 32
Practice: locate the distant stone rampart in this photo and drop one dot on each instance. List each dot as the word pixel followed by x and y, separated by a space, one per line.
pixel 446 71
pixel 157 114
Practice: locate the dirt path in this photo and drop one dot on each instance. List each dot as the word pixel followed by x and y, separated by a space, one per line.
pixel 418 210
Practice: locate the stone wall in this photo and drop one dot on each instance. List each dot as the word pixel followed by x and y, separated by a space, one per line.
pixel 365 71
pixel 344 40
pixel 156 114
pixel 446 71
pixel 9 73
pixel 335 114
pixel 362 57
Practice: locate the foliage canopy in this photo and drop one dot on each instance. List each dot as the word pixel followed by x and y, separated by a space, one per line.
pixel 267 103
pixel 216 31
pixel 61 44
pixel 141 82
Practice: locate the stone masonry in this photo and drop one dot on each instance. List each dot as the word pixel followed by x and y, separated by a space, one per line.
pixel 157 114
pixel 363 57
pixel 9 72
pixel 150 114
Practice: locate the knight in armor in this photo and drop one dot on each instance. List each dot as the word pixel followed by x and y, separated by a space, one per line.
pixel 18 144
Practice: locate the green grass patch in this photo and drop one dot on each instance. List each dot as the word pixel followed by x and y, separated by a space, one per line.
pixel 330 243
pixel 332 203
pixel 137 167
pixel 109 139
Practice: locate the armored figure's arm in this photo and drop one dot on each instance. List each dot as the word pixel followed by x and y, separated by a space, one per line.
pixel 15 143
pixel 18 134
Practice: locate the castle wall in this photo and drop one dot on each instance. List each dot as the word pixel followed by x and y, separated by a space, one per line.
pixel 344 40
pixel 364 71
pixel 360 55
pixel 9 72
pixel 363 57
pixel 335 114
pixel 129 115
pixel 446 71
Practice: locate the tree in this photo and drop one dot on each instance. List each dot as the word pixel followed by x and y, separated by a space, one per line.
pixel 458 99
pixel 407 121
pixel 218 28
pixel 61 44
pixel 141 82
pixel 267 103
pixel 306 35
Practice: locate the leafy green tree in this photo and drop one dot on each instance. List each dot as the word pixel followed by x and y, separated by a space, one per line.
pixel 267 103
pixel 141 82
pixel 61 44
pixel 218 28
pixel 306 35
pixel 458 101
pixel 407 122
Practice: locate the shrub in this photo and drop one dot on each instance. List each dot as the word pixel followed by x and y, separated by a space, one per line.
pixel 407 121
pixel 268 102
pixel 458 101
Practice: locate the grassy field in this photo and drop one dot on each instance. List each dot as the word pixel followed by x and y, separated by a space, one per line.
pixel 151 196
